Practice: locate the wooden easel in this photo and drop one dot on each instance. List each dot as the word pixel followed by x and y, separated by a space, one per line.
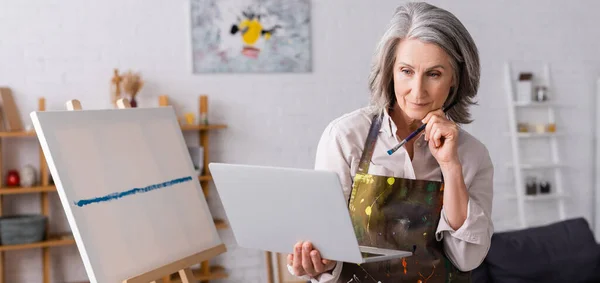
pixel 182 266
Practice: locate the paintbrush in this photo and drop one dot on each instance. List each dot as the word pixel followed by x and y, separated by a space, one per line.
pixel 417 131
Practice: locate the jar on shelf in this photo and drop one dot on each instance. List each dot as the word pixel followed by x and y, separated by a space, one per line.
pixel 531 186
pixel 541 94
pixel 522 127
pixel 540 128
pixel 524 88
pixel 545 187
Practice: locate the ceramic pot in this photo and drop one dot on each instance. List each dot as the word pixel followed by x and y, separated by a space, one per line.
pixel 28 177
pixel 12 178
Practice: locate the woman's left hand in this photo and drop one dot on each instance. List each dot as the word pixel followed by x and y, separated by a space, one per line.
pixel 442 135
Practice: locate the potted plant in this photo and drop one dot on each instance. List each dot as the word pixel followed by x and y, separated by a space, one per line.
pixel 132 84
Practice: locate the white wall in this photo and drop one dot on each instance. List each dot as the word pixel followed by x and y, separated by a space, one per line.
pixel 67 49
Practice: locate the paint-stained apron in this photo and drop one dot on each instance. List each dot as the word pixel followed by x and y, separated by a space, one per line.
pixel 402 214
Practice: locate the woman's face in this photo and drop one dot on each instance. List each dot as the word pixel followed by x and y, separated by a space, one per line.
pixel 422 77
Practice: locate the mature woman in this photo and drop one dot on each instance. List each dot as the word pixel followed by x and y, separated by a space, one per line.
pixel 425 61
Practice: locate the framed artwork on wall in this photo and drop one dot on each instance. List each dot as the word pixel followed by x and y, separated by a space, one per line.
pixel 251 36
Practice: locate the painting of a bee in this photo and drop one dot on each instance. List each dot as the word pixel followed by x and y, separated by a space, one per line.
pixel 262 36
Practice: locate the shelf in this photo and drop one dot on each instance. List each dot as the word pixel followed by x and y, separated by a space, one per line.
pixel 534 104
pixel 542 197
pixel 539 197
pixel 532 166
pixel 17 134
pixel 52 188
pixel 216 272
pixel 66 240
pixel 202 127
pixel 26 190
pixel 53 241
pixel 527 135
pixel 183 127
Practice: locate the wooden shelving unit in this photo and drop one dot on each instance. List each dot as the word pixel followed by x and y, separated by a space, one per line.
pixel 204 274
pixel 42 188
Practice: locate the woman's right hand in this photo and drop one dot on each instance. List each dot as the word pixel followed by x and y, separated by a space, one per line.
pixel 307 261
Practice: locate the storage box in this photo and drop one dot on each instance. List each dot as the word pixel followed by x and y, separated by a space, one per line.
pixel 22 229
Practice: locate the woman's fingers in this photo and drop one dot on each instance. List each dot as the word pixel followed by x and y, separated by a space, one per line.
pixel 306 260
pixel 317 262
pixel 427 126
pixel 437 137
pixel 439 128
pixel 297 260
pixel 430 120
pixel 429 129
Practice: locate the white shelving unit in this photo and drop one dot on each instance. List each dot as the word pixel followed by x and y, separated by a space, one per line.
pixel 519 166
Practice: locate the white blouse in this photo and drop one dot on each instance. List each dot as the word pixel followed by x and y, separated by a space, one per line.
pixel 340 149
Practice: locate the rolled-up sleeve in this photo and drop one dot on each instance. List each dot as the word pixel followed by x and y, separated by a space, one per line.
pixel 467 246
pixel 326 277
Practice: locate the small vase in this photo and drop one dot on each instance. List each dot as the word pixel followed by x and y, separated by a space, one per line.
pixel 531 186
pixel 13 179
pixel 545 188
pixel 133 102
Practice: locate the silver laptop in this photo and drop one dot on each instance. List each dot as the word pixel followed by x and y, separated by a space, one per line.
pixel 272 208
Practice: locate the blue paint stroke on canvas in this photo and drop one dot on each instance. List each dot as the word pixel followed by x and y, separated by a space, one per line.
pixel 133 191
pixel 251 36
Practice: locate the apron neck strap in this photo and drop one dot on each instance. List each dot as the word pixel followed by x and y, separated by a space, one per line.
pixel 369 146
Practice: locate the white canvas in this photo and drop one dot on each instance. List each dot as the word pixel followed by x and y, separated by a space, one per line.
pixel 128 188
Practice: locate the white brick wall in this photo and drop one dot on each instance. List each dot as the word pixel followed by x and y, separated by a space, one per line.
pixel 67 49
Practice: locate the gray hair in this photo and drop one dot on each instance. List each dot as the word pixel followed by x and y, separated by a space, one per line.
pixel 433 25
